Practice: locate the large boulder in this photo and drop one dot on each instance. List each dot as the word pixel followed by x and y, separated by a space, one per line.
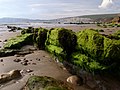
pixel 40 37
pixel 96 52
pixel 91 43
pixel 45 83
pixel 61 38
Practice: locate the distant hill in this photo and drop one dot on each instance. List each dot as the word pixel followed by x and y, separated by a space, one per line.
pixel 18 20
pixel 89 18
pixel 76 19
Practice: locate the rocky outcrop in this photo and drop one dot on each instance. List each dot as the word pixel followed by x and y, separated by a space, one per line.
pixel 96 52
pixel 60 41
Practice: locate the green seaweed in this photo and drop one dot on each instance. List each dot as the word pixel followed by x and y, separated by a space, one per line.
pixel 61 38
pixel 18 42
pixel 91 42
pixel 41 38
pixel 86 63
pixel 57 51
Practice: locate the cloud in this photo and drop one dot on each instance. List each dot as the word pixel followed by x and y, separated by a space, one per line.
pixel 106 4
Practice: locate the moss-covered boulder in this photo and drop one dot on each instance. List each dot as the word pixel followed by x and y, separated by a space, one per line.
pixel 57 51
pixel 96 52
pixel 19 41
pixel 111 52
pixel 45 83
pixel 40 38
pixel 61 38
pixel 90 43
pixel 86 63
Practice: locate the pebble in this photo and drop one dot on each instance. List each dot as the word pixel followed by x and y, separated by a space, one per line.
pixel 17 55
pixel 33 63
pixel 25 60
pixel 37 59
pixel 1 60
pixel 24 63
pixel 5 40
pixel 17 60
pixel 29 70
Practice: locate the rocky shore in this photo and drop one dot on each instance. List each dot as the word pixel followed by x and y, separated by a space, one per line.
pixel 73 61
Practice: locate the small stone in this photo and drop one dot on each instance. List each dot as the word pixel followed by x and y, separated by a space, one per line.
pixel 75 80
pixel 24 63
pixel 1 60
pixel 37 59
pixel 33 63
pixel 16 55
pixel 25 60
pixel 17 60
pixel 29 70
pixel 5 40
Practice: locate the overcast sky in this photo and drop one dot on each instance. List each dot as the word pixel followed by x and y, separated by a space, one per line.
pixel 51 9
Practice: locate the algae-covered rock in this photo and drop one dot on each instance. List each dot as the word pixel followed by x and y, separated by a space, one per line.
pixel 57 51
pixel 61 38
pixel 86 63
pixel 90 42
pixel 111 51
pixel 45 83
pixel 18 42
pixel 96 52
pixel 41 37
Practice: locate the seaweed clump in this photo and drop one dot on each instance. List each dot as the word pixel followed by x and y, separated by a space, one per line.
pixel 61 42
pixel 39 37
pixel 19 41
pixel 96 53
pixel 45 83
